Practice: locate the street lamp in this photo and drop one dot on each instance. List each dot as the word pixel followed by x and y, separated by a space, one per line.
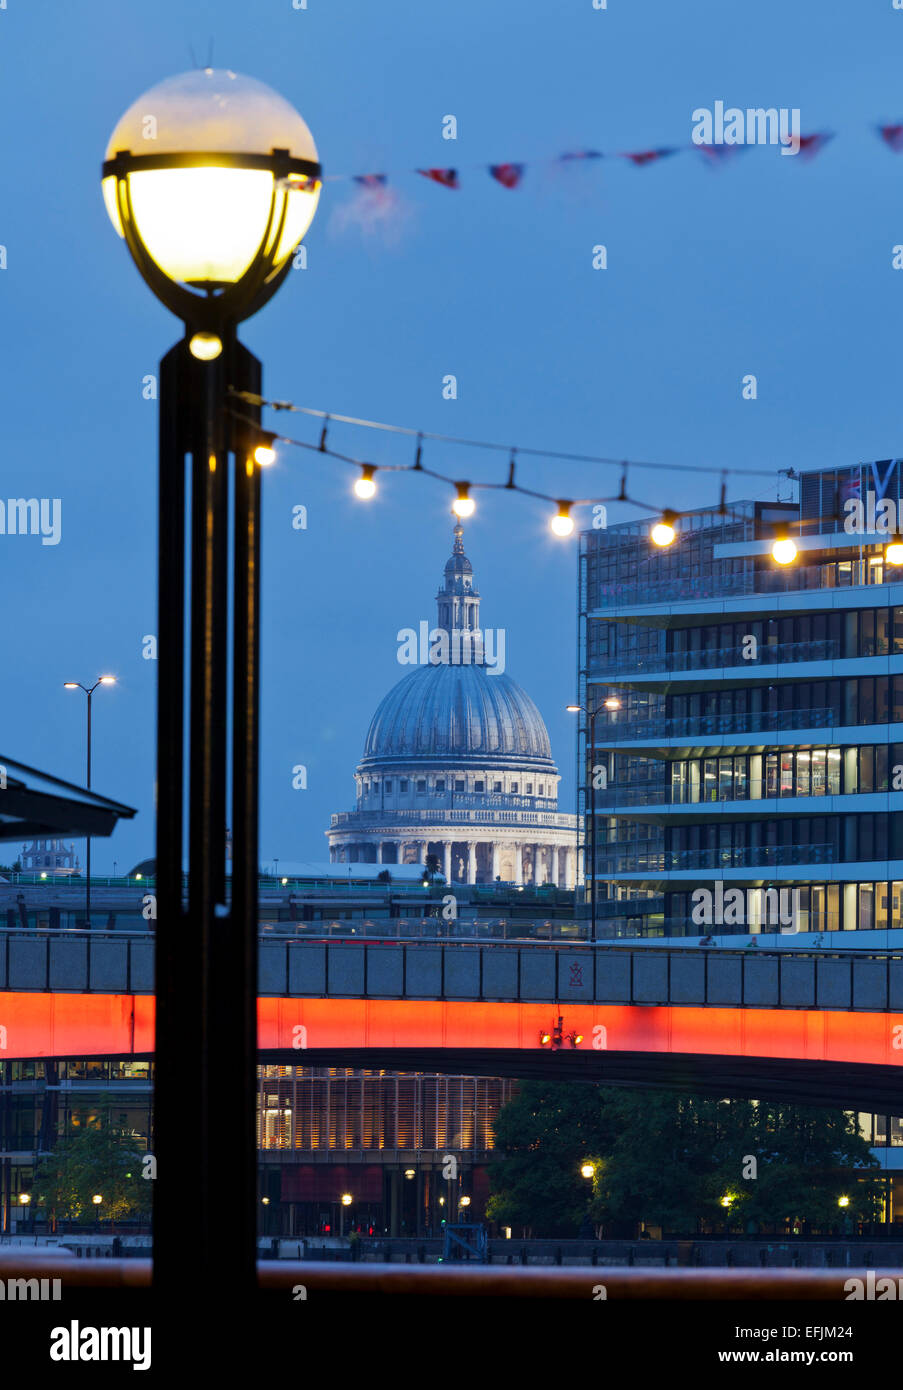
pixel 612 703
pixel 89 691
pixel 212 179
pixel 586 1170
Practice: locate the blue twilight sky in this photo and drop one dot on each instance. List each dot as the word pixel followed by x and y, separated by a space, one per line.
pixel 772 266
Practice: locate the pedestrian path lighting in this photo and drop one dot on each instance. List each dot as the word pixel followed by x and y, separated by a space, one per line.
pixel 212 179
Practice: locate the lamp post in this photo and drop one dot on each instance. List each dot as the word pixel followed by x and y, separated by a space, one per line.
pixel 89 691
pixel 611 703
pixel 212 179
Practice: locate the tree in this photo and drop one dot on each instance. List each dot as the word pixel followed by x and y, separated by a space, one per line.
pixel 432 866
pixel 671 1160
pixel 100 1159
pixel 384 876
pixel 543 1136
pixel 676 1158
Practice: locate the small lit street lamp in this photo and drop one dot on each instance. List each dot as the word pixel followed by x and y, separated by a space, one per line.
pixel 89 691
pixel 212 179
pixel 587 1170
pixel 346 1200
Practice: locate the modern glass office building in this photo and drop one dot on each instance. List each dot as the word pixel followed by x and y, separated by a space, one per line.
pixel 747 719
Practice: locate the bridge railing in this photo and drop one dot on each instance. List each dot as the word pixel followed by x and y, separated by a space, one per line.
pixel 540 971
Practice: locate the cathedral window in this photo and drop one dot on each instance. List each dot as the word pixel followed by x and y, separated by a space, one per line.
pixel 388 784
pixel 440 784
pixel 496 786
pixel 459 784
pixel 403 784
pixel 514 786
pixel 529 789
pixel 421 784
pixel 479 786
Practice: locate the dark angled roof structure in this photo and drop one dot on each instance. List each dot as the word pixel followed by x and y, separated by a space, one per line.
pixel 34 804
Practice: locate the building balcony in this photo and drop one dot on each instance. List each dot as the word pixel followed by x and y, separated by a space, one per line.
pixel 622 670
pixel 390 821
pixel 764 582
pixel 639 857
pixel 749 725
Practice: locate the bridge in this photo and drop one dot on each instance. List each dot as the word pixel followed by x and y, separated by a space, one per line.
pixel 822 1028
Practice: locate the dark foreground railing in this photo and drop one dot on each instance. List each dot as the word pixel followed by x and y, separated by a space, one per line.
pixel 295 1280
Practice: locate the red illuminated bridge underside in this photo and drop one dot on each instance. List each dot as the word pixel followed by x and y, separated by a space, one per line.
pixel 814 1055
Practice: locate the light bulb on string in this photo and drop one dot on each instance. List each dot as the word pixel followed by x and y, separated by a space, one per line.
pixel 463 505
pixel 783 551
pixel 562 524
pixel 663 532
pixel 365 487
pixel 264 453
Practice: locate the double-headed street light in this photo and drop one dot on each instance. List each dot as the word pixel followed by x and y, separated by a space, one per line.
pixel 89 691
pixel 212 179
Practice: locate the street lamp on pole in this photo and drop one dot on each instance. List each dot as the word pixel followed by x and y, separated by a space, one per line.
pixel 89 691
pixel 611 703
pixel 212 179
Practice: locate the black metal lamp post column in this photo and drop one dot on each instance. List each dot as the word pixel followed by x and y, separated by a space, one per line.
pixel 89 691
pixel 211 211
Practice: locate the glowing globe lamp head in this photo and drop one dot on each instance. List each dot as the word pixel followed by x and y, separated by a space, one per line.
pixel 213 179
pixel 783 552
pixel 893 555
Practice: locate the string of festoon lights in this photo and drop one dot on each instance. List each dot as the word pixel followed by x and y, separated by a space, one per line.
pixel 662 534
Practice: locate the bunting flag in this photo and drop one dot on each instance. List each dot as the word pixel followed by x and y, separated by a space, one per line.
pixel 892 135
pixel 716 155
pixel 811 144
pixel 447 177
pixel 508 175
pixel 649 156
